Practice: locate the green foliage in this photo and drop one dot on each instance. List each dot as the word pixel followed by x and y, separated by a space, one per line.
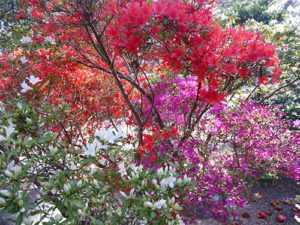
pixel 11 29
pixel 258 17
pixel 285 94
pixel 257 10
pixel 241 11
pixel 74 187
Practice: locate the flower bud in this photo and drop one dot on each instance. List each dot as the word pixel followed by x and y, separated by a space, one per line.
pixel 53 150
pixel 28 221
pixel 179 181
pixel 186 179
pixel 140 168
pixel 136 176
pixel 67 187
pixel 79 183
pixel 171 200
pixel 119 211
pixel 123 194
pixel 148 204
pixel 2 202
pixel 177 207
pixel 20 203
pixel 96 183
pixel 28 120
pixel 154 181
pixel 19 197
pixel 160 172
pixel 131 193
pixel 166 169
pixel 5 193
pixel 8 173
pixel 144 183
pixel 17 169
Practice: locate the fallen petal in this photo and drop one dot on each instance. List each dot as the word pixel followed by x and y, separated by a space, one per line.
pixel 268 212
pixel 295 209
pixel 273 203
pixel 246 215
pixel 287 202
pixel 280 218
pixel 262 215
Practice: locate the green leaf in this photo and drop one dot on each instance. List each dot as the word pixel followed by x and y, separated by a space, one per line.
pixel 19 219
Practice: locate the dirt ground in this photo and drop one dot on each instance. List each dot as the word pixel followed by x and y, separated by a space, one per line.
pixel 279 190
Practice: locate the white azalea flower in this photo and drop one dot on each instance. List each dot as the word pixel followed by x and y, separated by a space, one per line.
pixel 57 217
pixel 169 181
pixel 90 149
pixel 73 166
pixel 10 166
pixel 23 59
pixel 50 39
pixel 53 150
pixel 25 40
pixel 109 135
pixel 33 80
pixel 143 222
pixel 127 147
pixel 122 169
pixel 101 146
pixel 8 130
pixel 1 106
pixel 161 203
pixel 13 168
pixel 25 87
pixel 133 167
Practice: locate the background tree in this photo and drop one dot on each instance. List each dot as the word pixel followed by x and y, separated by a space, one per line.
pixel 278 30
pixel 11 28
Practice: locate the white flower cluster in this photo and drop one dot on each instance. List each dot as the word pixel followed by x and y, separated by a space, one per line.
pixel 23 59
pixel 166 204
pixel 26 40
pixel 157 205
pixel 33 80
pixel 109 135
pixel 50 39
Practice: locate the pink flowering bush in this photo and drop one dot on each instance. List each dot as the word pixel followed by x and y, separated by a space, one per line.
pixel 229 147
pixel 260 142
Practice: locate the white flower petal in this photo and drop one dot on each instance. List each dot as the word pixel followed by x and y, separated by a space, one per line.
pixel 25 87
pixel 33 80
